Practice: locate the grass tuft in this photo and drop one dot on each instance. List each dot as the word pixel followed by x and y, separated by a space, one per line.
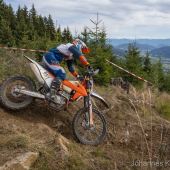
pixel 14 142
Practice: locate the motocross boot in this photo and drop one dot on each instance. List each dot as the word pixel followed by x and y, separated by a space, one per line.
pixel 55 87
pixel 56 84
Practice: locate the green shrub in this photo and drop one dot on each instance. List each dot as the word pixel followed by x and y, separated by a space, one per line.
pixel 163 105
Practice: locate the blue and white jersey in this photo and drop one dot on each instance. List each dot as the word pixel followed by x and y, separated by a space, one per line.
pixel 62 52
pixel 64 49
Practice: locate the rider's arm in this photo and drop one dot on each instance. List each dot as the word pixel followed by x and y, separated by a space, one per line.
pixel 78 55
pixel 71 68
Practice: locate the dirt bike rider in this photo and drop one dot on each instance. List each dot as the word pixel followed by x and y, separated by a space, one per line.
pixel 67 52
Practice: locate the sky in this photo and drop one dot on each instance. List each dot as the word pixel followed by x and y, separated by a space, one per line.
pixel 121 18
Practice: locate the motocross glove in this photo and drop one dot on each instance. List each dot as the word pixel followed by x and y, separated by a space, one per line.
pixel 75 74
pixel 90 69
pixel 80 78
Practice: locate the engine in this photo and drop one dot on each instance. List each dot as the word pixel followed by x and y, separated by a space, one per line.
pixel 61 97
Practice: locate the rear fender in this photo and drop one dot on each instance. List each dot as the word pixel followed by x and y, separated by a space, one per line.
pixel 41 73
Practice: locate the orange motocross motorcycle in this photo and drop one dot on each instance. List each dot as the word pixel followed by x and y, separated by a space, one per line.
pixel 89 125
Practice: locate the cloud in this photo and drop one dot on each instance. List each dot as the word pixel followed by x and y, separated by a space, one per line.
pixel 130 18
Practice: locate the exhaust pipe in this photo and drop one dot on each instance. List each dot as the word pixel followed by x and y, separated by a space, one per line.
pixel 30 93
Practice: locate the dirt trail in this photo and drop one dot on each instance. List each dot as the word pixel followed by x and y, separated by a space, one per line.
pixel 49 133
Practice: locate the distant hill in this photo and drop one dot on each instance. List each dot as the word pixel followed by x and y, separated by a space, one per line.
pixel 161 52
pixel 156 47
pixel 141 47
pixel 157 43
pixel 118 52
pixel 121 49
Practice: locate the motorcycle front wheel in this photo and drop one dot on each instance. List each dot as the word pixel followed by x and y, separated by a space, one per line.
pixel 89 135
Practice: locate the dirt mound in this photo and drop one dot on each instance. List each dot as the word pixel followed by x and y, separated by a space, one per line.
pixel 137 135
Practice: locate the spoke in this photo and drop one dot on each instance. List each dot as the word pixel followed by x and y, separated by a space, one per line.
pixel 99 131
pixel 95 132
pixel 93 101
pixel 90 134
pixel 9 90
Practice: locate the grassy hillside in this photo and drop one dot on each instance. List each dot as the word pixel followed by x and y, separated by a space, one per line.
pixel 138 130
pixel 13 62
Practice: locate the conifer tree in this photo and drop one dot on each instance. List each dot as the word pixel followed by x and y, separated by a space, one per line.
pixel 147 63
pixel 45 19
pixel 166 83
pixel 50 28
pixel 85 35
pixel 6 36
pixel 21 27
pixel 33 22
pixel 7 20
pixel 25 15
pixel 133 62
pixel 41 28
pixel 64 35
pixel 58 35
pixel 33 16
pixel 158 74
pixel 68 35
pixel 100 52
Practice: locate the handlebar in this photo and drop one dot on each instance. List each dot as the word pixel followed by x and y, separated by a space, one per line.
pixel 89 73
pixel 96 72
pixel 92 72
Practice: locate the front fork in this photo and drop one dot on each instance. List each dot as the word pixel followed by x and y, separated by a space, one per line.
pixel 89 113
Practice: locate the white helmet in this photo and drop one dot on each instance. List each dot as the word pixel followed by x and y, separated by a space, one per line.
pixel 81 46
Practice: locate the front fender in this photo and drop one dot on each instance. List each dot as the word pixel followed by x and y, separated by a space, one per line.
pixel 95 95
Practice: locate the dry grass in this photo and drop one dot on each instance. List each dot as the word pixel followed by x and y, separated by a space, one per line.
pixel 14 141
pixel 12 63
pixel 163 105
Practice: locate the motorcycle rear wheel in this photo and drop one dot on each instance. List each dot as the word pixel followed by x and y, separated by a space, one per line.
pixel 85 135
pixel 12 100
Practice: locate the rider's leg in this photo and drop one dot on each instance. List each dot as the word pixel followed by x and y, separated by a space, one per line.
pixel 60 74
pixel 52 64
pixel 49 58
